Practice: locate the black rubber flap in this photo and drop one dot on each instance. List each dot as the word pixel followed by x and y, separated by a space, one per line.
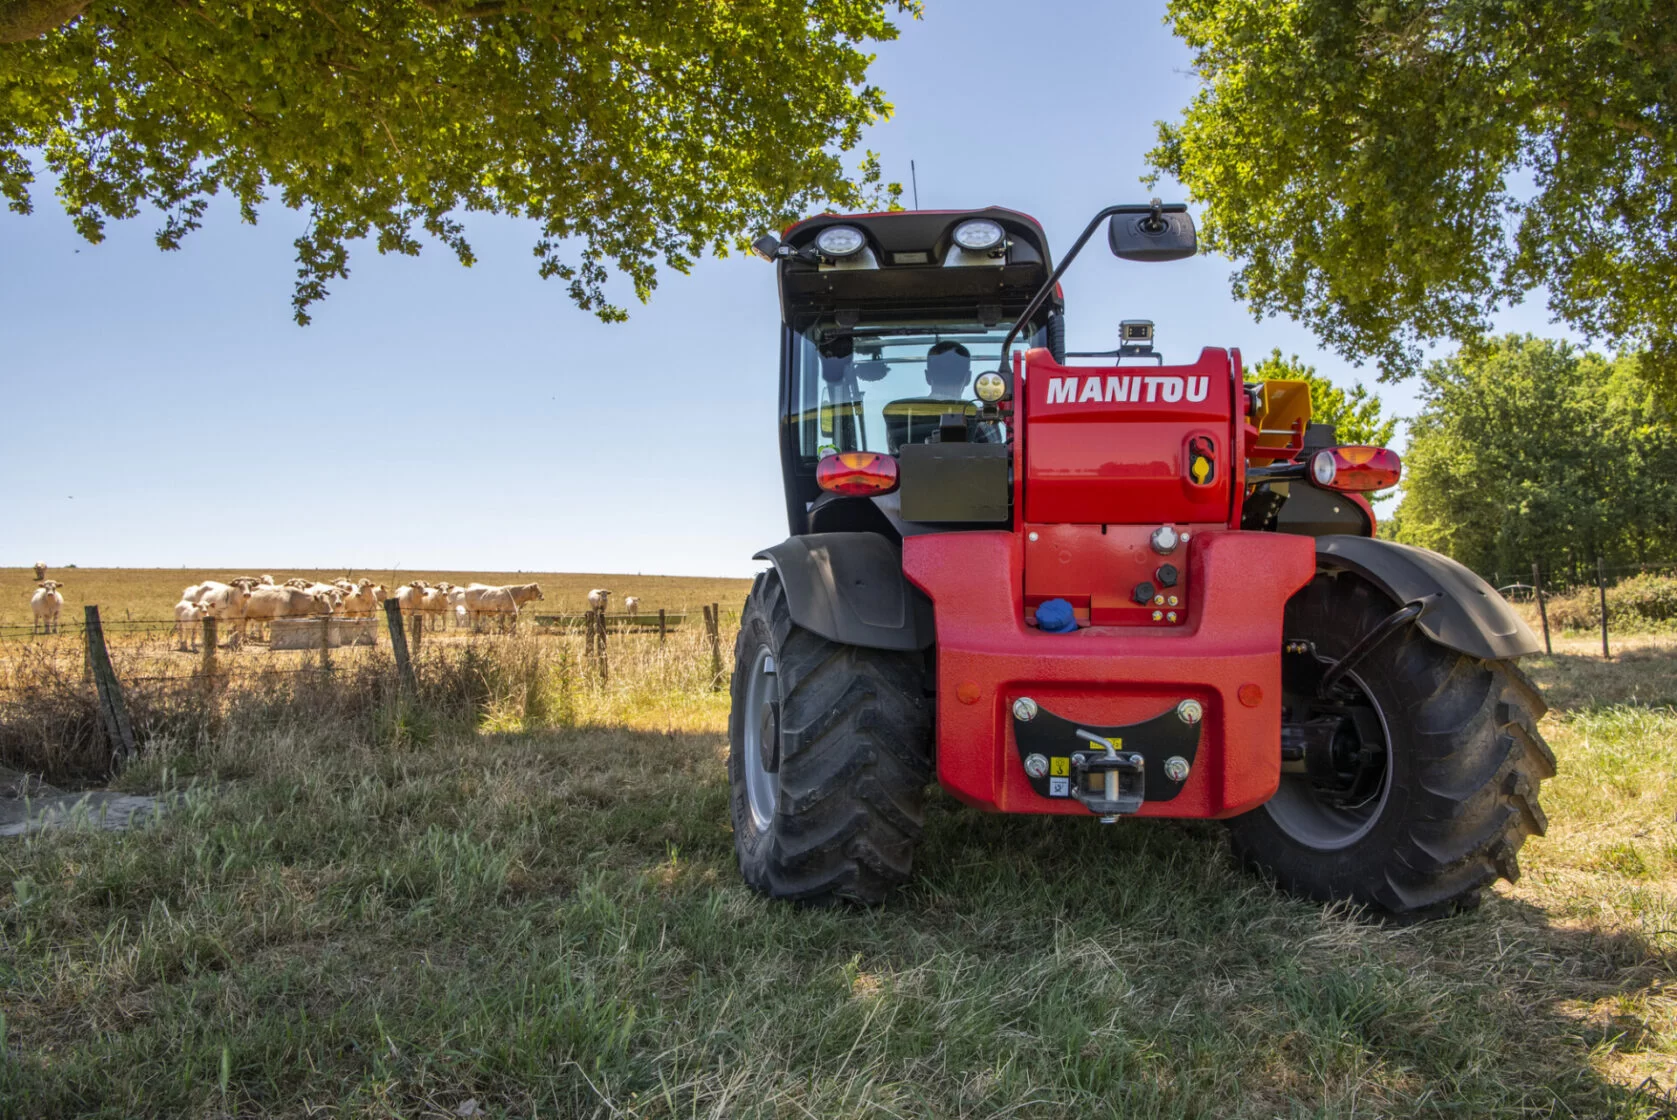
pixel 1155 740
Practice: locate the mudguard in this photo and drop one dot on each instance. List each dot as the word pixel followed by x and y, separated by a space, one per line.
pixel 850 588
pixel 1463 613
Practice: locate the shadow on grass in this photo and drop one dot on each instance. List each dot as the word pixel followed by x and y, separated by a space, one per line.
pixel 551 922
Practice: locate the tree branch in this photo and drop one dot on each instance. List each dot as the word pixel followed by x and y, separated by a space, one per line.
pixel 22 20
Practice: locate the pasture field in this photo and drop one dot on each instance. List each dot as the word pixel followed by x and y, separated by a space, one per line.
pixel 150 593
pixel 537 913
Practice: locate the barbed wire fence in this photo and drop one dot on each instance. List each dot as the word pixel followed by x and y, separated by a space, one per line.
pixel 91 691
pixel 1581 592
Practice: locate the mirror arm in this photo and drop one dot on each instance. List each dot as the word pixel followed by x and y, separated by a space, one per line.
pixel 1153 208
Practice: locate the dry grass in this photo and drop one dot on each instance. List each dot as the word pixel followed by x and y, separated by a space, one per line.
pixel 150 593
pixel 539 912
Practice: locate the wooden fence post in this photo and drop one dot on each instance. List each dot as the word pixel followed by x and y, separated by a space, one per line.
pixel 713 632
pixel 399 648
pixel 111 706
pixel 597 619
pixel 1601 585
pixel 1542 607
pixel 663 628
pixel 211 640
pixel 418 632
pixel 325 643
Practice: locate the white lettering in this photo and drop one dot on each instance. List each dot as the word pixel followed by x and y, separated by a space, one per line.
pixel 1197 388
pixel 1152 388
pixel 1117 389
pixel 1171 389
pixel 1062 390
pixel 1091 391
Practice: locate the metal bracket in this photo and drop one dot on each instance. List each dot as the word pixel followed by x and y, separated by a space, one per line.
pixel 1365 645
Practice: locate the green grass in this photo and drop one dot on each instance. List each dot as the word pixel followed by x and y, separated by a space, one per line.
pixel 549 922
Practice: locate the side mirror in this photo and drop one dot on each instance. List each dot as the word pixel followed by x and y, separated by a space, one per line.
pixel 1150 237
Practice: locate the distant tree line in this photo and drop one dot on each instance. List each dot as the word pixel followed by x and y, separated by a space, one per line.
pixel 1531 450
pixel 1526 450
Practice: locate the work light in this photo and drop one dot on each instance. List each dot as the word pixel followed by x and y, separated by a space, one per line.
pixel 990 387
pixel 978 235
pixel 840 241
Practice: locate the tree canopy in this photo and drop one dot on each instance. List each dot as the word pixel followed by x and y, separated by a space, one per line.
pixel 1391 171
pixel 635 134
pixel 1530 450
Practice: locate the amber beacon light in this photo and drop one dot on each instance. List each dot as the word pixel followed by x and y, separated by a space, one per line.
pixel 1356 469
pixel 857 473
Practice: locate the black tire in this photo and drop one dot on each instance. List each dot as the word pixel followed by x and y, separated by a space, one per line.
pixel 852 730
pixel 1460 792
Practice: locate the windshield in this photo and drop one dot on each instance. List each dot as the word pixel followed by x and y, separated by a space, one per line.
pixel 874 388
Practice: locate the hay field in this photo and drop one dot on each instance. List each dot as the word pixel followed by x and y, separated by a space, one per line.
pixel 150 593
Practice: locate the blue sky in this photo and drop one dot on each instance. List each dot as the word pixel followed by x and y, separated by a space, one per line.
pixel 167 411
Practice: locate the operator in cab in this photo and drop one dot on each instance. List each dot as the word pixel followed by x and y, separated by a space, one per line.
pixel 919 419
pixel 948 371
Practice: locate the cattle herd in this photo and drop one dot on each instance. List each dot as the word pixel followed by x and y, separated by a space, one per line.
pixel 247 603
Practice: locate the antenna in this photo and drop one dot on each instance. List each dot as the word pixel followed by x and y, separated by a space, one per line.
pixel 915 179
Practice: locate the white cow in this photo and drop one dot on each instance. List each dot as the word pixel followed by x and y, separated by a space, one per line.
pixel 269 603
pixel 483 602
pixel 598 598
pixel 457 603
pixel 434 602
pixel 631 605
pixel 227 601
pixel 188 615
pixel 359 598
pixel 45 605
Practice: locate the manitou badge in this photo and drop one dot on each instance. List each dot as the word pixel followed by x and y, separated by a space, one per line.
pixel 1139 388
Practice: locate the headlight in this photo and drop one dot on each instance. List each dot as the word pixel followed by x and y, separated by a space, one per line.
pixel 990 387
pixel 978 235
pixel 840 241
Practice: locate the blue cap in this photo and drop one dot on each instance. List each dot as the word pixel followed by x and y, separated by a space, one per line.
pixel 1055 617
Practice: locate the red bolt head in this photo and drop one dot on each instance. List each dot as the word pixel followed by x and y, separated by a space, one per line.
pixel 1250 695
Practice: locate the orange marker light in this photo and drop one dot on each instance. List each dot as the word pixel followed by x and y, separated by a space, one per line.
pixel 1250 695
pixel 1355 469
pixel 857 473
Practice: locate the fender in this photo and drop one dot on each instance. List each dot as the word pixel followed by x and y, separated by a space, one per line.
pixel 1465 613
pixel 850 588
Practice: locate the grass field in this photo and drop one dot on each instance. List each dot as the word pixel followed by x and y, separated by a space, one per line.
pixel 543 917
pixel 150 593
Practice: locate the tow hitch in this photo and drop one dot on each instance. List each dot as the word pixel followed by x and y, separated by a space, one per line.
pixel 1111 771
pixel 1109 784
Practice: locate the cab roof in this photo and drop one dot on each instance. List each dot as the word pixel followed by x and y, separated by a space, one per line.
pixel 908 268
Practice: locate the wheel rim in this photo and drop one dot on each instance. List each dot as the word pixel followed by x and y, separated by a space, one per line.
pixel 760 783
pixel 1299 812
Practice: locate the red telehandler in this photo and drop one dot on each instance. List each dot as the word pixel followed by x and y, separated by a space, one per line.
pixel 1097 585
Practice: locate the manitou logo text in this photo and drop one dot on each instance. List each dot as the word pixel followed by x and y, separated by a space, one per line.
pixel 1127 389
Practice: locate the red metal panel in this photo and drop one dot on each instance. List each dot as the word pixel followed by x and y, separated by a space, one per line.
pixel 1096 569
pixel 1111 444
pixel 1110 675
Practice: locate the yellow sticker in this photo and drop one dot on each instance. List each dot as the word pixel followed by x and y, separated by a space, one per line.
pixel 1059 767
